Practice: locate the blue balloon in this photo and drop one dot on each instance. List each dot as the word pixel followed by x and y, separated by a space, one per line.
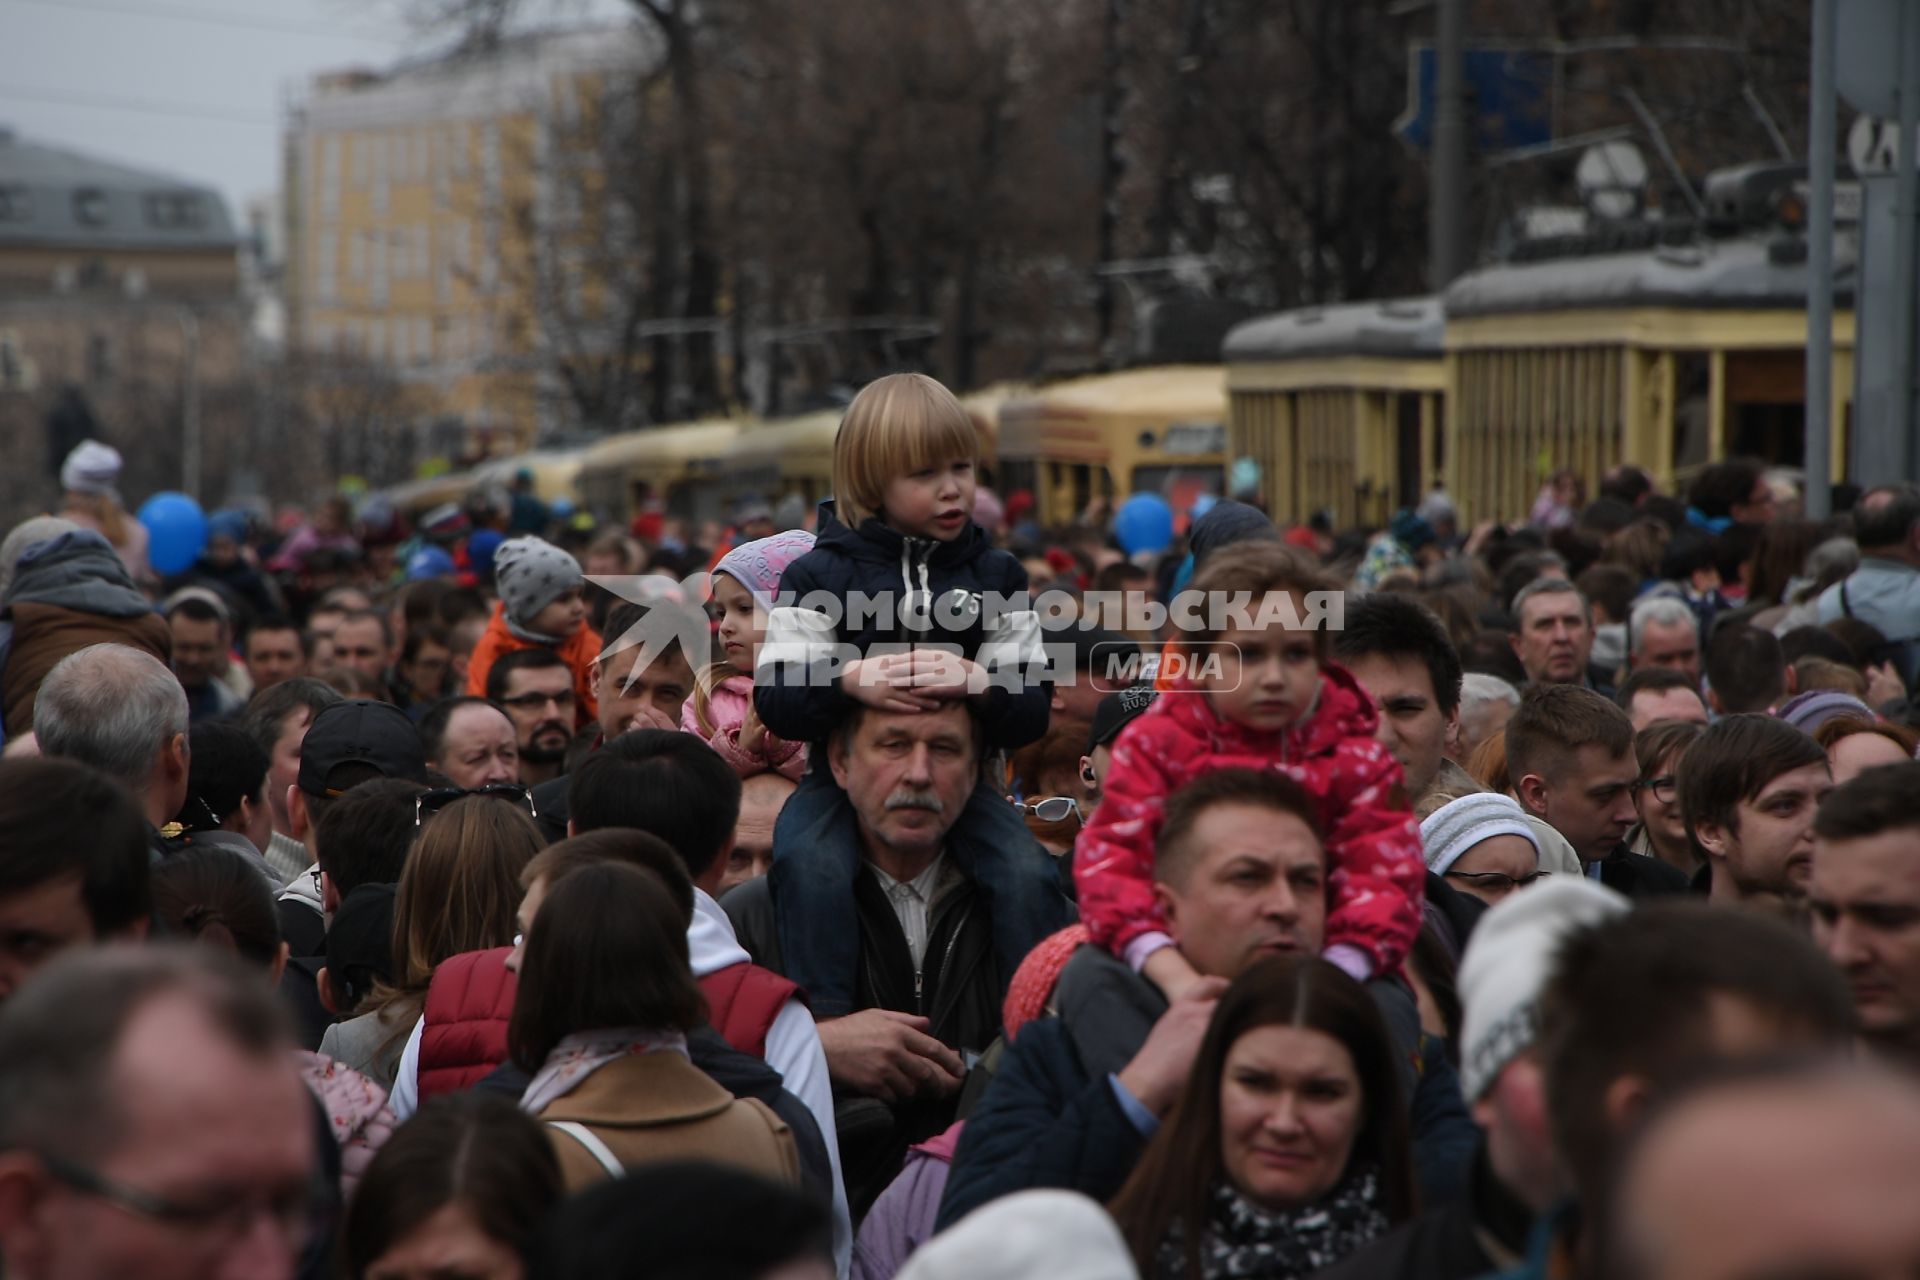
pixel 176 531
pixel 429 562
pixel 1144 523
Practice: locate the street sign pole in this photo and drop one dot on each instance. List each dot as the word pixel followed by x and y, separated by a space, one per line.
pixel 1447 196
pixel 1905 241
pixel 1820 179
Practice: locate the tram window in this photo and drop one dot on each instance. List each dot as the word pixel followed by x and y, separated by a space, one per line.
pixel 1766 409
pixel 1408 481
pixel 1178 482
pixel 1692 425
pixel 1017 474
pixel 1774 432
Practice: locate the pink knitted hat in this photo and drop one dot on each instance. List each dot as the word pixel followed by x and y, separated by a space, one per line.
pixel 1034 980
pixel 757 565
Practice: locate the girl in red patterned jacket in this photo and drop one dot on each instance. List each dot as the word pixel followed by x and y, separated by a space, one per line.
pixel 1262 695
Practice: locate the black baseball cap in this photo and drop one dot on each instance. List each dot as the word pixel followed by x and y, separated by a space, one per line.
pixel 360 731
pixel 1116 711
pixel 1105 659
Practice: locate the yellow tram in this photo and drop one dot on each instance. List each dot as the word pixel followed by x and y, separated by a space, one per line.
pixel 1668 357
pixel 1160 430
pixel 1341 407
pixel 676 463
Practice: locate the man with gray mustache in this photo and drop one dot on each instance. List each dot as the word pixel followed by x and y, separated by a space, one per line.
pixel 937 944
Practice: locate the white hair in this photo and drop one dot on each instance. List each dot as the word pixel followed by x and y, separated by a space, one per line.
pixel 112 707
pixel 1477 687
pixel 1668 611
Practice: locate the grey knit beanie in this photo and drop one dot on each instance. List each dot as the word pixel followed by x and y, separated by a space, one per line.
pixel 530 574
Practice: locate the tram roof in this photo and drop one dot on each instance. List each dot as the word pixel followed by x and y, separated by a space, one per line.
pixel 1398 328
pixel 1740 274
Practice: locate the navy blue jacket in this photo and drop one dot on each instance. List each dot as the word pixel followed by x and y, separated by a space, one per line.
pixel 1050 1118
pixel 879 562
pixel 1045 1121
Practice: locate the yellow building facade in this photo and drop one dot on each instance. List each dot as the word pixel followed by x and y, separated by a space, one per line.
pixel 423 208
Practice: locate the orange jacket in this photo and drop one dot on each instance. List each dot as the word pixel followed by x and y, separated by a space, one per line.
pixel 578 651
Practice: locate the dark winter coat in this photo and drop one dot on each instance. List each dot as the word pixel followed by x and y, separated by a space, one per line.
pixel 942 585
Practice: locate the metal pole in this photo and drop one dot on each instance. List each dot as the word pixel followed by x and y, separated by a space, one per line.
pixel 190 407
pixel 1446 208
pixel 1820 180
pixel 1112 100
pixel 1904 244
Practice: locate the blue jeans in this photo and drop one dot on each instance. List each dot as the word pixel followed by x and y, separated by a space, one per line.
pixel 816 855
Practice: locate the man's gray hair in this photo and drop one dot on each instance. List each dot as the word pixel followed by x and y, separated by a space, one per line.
pixel 112 707
pixel 60 1032
pixel 1667 611
pixel 1547 587
pixel 1476 687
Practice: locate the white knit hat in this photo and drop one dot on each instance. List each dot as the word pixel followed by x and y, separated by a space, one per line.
pixel 92 467
pixel 1030 1235
pixel 1507 964
pixel 1459 825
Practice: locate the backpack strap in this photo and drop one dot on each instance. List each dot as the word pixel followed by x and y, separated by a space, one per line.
pixel 1846 605
pixel 591 1141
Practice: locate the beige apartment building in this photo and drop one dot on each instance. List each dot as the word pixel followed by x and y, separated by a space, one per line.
pixel 422 206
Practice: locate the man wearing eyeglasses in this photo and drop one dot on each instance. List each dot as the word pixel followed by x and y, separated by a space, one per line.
pixel 152 1123
pixel 535 687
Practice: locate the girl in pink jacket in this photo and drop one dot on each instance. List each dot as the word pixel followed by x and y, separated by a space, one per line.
pixel 1262 696
pixel 720 711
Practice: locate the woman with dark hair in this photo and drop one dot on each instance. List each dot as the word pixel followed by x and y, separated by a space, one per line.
pixel 1855 744
pixel 600 1020
pixel 1289 1150
pixel 458 1191
pixel 226 802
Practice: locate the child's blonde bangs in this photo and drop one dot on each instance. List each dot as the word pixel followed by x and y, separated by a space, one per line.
pixel 897 425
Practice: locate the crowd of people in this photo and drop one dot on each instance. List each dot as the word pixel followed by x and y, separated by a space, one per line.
pixel 855 894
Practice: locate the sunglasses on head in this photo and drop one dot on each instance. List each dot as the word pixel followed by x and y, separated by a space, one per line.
pixel 428 803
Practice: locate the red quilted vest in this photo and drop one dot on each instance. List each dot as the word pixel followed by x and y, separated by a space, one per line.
pixel 468 1005
pixel 742 1002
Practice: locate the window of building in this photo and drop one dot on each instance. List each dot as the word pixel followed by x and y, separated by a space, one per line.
pixel 90 207
pixel 422 251
pixel 422 339
pixel 176 210
pixel 399 340
pixel 330 178
pixel 357 257
pixel 16 204
pixel 17 371
pixel 325 254
pixel 99 358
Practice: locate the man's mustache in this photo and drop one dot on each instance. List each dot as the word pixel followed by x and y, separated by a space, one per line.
pixel 913 798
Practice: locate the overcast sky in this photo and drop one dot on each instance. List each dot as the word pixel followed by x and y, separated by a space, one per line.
pixel 194 88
